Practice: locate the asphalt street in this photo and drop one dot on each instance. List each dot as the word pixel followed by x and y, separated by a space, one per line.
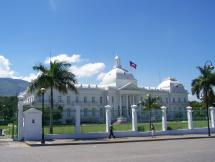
pixel 196 150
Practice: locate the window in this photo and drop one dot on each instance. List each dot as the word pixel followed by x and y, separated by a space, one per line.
pixel 68 113
pixel 185 99
pixel 85 111
pixel 101 100
pixel 93 100
pixel 173 100
pixel 68 100
pixel 112 100
pixel 59 99
pixel 101 112
pixel 76 99
pixel 179 100
pixel 93 112
pixel 161 100
pixel 85 99
pixel 166 100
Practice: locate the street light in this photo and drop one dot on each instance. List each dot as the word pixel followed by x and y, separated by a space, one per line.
pixel 42 90
pixel 208 64
pixel 149 107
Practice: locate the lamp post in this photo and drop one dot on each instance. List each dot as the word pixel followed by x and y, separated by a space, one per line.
pixel 208 64
pixel 149 107
pixel 43 138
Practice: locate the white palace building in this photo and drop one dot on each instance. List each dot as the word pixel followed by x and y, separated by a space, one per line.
pixel 120 90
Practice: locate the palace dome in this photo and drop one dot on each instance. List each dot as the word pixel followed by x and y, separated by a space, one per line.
pixel 117 77
pixel 172 85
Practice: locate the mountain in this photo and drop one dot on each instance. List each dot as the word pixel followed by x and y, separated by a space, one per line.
pixel 12 87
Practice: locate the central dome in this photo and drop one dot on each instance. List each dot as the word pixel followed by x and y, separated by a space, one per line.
pixel 118 76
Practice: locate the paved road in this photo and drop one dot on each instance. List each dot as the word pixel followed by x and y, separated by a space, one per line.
pixel 198 150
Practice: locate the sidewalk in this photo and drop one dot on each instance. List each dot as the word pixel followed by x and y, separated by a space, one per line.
pixel 117 140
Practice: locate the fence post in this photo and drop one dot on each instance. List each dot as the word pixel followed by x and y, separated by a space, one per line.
pixel 189 117
pixel 134 117
pixel 108 117
pixel 20 117
pixel 212 112
pixel 164 118
pixel 77 119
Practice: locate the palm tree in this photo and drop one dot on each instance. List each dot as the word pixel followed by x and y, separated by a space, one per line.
pixel 202 87
pixel 149 103
pixel 58 77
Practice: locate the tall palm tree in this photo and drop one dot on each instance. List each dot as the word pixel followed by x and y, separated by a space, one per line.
pixel 150 103
pixel 58 77
pixel 202 87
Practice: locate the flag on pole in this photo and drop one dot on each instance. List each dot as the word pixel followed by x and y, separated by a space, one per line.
pixel 133 65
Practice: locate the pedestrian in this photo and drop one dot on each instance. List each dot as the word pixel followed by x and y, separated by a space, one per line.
pixel 152 130
pixel 111 132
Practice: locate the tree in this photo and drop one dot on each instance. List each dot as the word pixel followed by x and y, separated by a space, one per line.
pixel 58 77
pixel 196 104
pixel 8 109
pixel 202 87
pixel 149 103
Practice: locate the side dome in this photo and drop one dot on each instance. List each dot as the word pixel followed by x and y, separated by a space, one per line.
pixel 172 85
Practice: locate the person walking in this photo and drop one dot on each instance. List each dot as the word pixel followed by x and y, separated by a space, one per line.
pixel 153 130
pixel 111 132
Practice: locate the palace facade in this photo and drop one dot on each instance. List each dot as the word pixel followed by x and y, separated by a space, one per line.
pixel 120 90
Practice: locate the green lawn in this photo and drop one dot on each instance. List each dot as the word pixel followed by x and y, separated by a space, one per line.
pixel 8 129
pixel 86 128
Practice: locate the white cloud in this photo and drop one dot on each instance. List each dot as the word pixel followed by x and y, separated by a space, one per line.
pixel 5 70
pixel 81 71
pixel 64 57
pixel 88 70
pixel 101 76
pixel 30 77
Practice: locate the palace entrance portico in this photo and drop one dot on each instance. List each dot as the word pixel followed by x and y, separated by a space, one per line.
pixel 126 99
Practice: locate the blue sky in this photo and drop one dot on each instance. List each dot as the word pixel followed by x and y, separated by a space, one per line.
pixel 163 37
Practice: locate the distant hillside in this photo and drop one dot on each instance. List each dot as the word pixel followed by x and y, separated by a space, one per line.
pixel 12 87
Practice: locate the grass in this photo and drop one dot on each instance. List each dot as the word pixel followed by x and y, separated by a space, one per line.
pixel 142 127
pixel 8 129
pixel 87 128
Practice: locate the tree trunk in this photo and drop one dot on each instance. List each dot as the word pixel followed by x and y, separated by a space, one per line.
pixel 51 113
pixel 150 119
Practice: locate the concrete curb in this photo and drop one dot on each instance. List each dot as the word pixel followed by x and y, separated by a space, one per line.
pixel 115 141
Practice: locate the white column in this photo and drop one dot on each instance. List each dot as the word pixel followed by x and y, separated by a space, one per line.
pixel 189 117
pixel 127 105
pixel 120 105
pixel 20 117
pixel 133 99
pixel 108 117
pixel 134 117
pixel 164 118
pixel 77 119
pixel 212 112
pixel 108 99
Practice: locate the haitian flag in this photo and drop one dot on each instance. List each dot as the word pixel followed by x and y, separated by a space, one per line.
pixel 133 65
